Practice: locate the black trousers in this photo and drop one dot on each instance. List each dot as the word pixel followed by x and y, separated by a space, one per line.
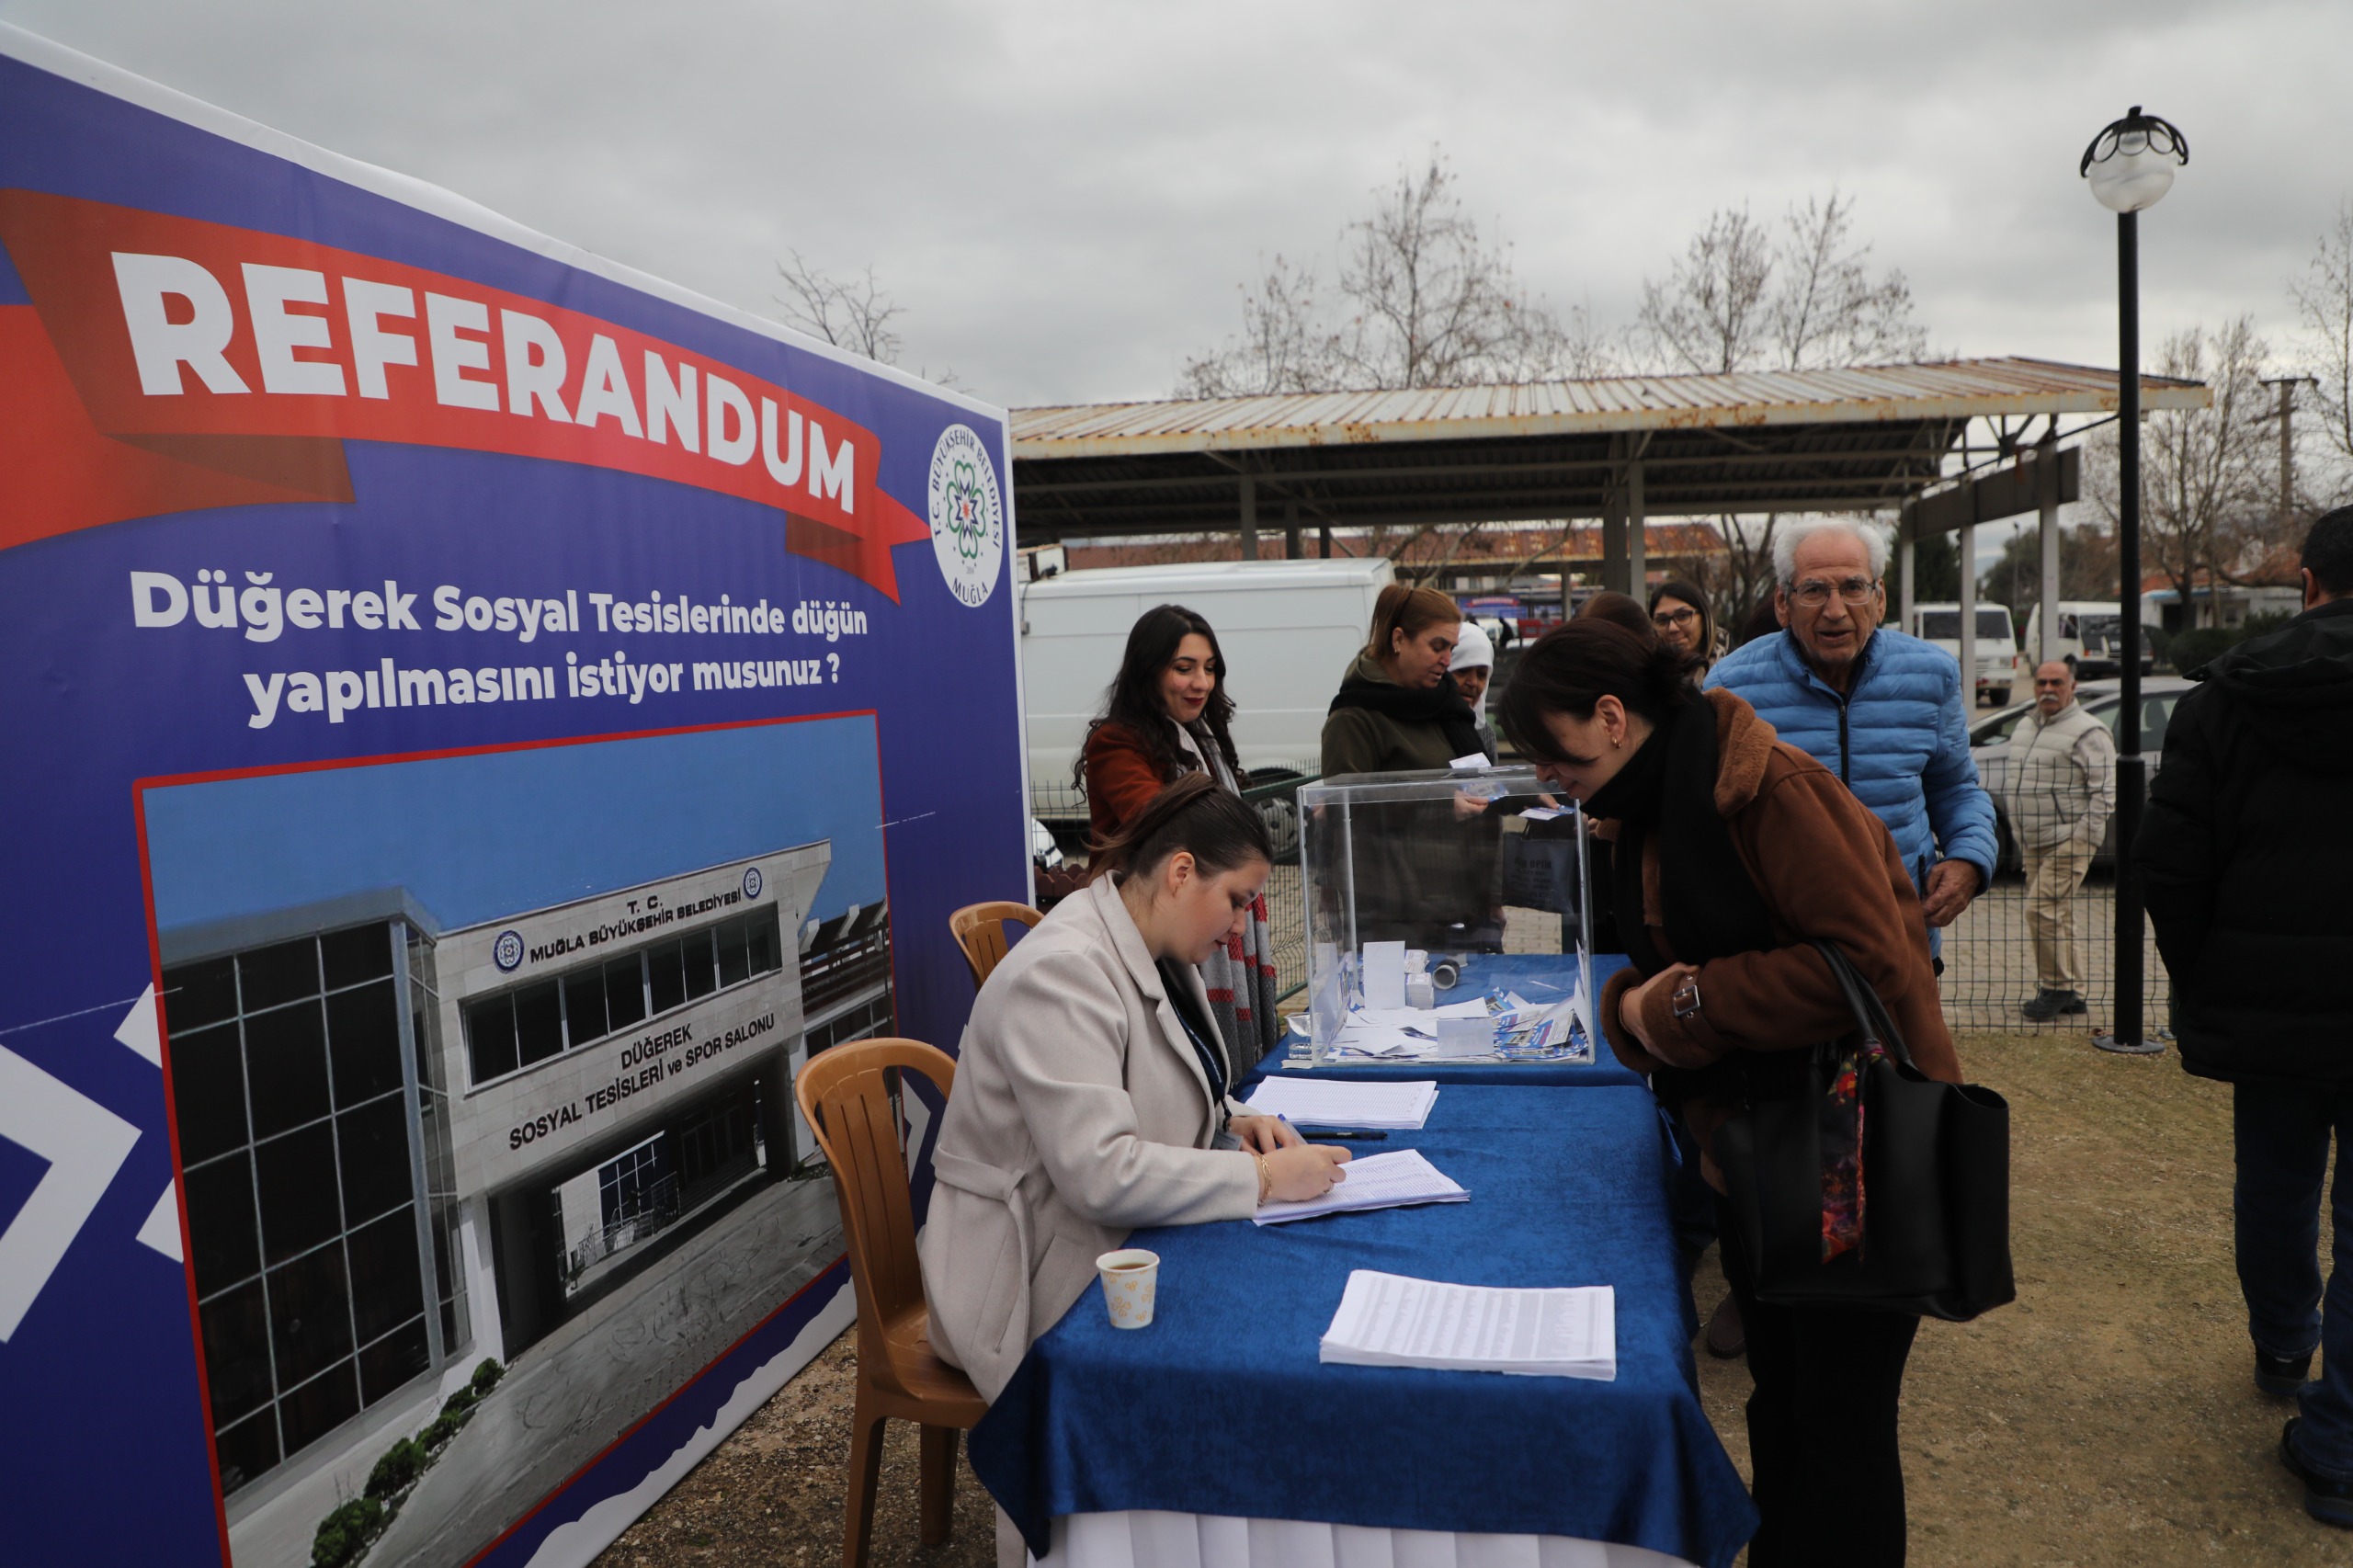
pixel 1822 1438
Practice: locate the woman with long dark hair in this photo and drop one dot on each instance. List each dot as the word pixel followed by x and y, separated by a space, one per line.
pixel 1169 715
pixel 1735 853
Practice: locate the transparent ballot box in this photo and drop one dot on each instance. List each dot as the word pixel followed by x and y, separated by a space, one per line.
pixel 1448 916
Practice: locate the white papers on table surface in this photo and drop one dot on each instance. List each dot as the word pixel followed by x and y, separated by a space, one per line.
pixel 1326 1102
pixel 1391 1320
pixel 1384 974
pixel 1377 1181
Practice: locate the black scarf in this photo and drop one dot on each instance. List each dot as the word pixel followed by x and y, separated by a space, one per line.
pixel 1709 903
pixel 1441 705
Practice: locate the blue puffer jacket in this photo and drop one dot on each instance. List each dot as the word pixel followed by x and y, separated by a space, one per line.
pixel 1899 741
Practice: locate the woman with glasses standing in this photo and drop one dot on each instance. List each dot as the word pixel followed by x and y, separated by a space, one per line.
pixel 1169 715
pixel 1680 614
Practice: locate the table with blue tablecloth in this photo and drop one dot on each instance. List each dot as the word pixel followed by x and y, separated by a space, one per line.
pixel 1221 1408
pixel 1480 974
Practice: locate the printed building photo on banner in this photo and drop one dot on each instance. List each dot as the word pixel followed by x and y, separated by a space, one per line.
pixel 485 1061
pixel 479 718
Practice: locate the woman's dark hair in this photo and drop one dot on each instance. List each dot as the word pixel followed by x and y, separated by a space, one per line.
pixel 1763 621
pixel 1691 593
pixel 1409 609
pixel 1573 667
pixel 1194 815
pixel 1135 704
pixel 1619 609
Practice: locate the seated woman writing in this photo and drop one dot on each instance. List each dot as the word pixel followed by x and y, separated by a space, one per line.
pixel 1091 1096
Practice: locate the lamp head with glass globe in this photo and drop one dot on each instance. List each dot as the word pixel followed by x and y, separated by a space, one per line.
pixel 2131 163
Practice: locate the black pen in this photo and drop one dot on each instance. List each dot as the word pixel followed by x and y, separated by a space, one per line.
pixel 1356 1135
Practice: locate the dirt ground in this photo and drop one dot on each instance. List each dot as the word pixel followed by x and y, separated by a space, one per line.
pixel 2109 1417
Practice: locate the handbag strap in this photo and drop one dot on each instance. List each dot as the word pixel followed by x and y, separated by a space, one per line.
pixel 1873 1020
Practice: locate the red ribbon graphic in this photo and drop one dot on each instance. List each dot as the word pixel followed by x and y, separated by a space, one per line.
pixel 177 364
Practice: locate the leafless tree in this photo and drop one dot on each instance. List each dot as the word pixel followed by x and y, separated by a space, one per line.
pixel 1420 298
pixel 855 314
pixel 1745 296
pixel 2324 299
pixel 2207 474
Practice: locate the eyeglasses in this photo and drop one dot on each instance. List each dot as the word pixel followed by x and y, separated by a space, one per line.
pixel 1814 593
pixel 1668 620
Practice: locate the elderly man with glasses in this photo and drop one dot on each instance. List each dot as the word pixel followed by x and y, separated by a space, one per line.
pixel 1881 710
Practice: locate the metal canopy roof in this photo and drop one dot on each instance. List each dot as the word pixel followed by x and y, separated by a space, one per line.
pixel 1814 441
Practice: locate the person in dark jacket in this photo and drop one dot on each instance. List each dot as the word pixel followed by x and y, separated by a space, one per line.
pixel 2252 815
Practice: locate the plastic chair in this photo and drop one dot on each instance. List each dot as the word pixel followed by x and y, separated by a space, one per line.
pixel 847 1103
pixel 979 929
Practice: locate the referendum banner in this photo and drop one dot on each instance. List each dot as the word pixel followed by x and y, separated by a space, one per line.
pixel 480 719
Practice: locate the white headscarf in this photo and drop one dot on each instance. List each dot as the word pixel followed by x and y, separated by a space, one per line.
pixel 1473 651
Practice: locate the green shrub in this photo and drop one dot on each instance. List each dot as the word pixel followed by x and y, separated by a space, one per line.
pixel 435 1438
pixel 2190 650
pixel 345 1533
pixel 459 1406
pixel 402 1464
pixel 486 1376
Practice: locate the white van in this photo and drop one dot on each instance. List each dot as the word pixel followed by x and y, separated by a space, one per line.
pixel 1287 630
pixel 1997 644
pixel 2091 634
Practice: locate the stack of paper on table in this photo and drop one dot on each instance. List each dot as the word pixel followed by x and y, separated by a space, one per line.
pixel 1389 1320
pixel 1377 1181
pixel 1321 1102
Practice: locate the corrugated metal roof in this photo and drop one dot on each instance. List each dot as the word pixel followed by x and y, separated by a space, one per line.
pixel 1961 389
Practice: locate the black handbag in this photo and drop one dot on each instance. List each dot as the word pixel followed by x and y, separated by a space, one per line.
pixel 1936 1182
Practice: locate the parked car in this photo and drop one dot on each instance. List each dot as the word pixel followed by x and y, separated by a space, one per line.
pixel 1989 741
pixel 1997 644
pixel 2091 636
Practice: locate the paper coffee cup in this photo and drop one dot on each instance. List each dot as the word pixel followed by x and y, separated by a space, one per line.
pixel 1131 1279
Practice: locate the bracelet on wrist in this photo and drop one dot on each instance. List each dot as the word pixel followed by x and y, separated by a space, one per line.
pixel 1265 1176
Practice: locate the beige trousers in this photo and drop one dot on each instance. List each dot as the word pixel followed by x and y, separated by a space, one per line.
pixel 2052 875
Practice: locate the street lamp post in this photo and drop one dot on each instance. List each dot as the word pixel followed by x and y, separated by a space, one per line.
pixel 2130 165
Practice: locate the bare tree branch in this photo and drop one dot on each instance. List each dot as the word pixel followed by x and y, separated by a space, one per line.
pixel 855 315
pixel 2324 299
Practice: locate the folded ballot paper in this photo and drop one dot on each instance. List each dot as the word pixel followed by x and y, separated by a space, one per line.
pixel 1377 1181
pixel 1323 1102
pixel 1389 1320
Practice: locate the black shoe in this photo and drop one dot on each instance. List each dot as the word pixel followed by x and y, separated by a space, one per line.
pixel 2327 1498
pixel 2282 1375
pixel 2049 1004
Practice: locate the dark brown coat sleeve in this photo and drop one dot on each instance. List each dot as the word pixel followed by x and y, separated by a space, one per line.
pixel 1827 868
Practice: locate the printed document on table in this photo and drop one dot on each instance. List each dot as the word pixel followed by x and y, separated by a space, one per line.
pixel 1325 1102
pixel 1377 1181
pixel 1390 1320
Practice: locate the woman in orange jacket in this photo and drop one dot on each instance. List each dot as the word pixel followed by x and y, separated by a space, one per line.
pixel 1169 715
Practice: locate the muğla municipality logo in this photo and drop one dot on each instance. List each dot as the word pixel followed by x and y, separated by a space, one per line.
pixel 752 881
pixel 507 951
pixel 967 517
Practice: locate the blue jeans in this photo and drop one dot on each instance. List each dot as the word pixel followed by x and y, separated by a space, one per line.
pixel 2282 1132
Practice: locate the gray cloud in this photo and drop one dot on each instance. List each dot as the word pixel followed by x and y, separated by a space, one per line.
pixel 1065 197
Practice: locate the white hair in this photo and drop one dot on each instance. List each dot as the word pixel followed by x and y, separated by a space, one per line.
pixel 1786 543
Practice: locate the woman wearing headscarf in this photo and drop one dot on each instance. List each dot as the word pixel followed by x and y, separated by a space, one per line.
pixel 1680 614
pixel 1169 715
pixel 1472 666
pixel 1735 853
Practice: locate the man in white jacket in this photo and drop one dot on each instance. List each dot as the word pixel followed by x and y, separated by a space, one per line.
pixel 2060 787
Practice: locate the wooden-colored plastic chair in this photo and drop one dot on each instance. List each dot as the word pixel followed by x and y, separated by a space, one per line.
pixel 979 929
pixel 844 1095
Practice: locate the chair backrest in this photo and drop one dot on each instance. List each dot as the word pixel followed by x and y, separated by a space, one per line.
pixel 979 929
pixel 847 1103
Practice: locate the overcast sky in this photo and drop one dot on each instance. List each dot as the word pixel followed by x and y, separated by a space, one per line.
pixel 1065 197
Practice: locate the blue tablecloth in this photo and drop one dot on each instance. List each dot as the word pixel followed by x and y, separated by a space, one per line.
pixel 1480 973
pixel 1220 1406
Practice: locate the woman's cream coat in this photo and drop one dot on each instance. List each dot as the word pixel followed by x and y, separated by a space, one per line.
pixel 1080 1112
